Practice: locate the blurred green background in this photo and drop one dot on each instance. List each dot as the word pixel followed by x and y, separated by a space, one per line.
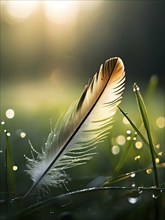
pixel 49 50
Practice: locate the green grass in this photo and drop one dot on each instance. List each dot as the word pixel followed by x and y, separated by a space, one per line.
pixel 130 179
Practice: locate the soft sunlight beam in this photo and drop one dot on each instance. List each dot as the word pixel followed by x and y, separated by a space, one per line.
pixel 20 10
pixel 61 12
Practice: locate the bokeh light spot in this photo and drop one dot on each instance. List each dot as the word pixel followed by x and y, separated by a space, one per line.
pixel 10 113
pixel 149 171
pixel 138 144
pixel 160 154
pixel 8 134
pixel 115 149
pixel 157 146
pixel 129 132
pixel 128 138
pixel 20 9
pixel 15 168
pixel 157 160
pixel 160 122
pixel 22 134
pixel 134 138
pixel 120 139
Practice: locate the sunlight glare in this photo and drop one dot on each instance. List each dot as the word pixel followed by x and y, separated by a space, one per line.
pixel 20 9
pixel 60 12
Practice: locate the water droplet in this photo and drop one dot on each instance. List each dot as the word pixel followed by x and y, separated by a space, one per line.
pixel 132 200
pixel 155 196
pixel 133 185
pixel 134 138
pixel 8 134
pixel 133 175
pixel 5 130
pixel 2 122
pixel 1 151
pixel 140 191
pixel 135 87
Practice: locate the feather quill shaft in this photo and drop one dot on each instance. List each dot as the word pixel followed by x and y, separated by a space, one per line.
pixel 86 124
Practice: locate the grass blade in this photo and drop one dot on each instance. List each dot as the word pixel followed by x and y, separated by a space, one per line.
pixel 136 130
pixel 144 116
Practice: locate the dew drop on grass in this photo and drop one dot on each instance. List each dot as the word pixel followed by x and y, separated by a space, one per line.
pixel 140 191
pixel 2 122
pixel 133 175
pixel 155 196
pixel 132 200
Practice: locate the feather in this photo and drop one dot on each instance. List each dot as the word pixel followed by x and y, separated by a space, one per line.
pixel 76 135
